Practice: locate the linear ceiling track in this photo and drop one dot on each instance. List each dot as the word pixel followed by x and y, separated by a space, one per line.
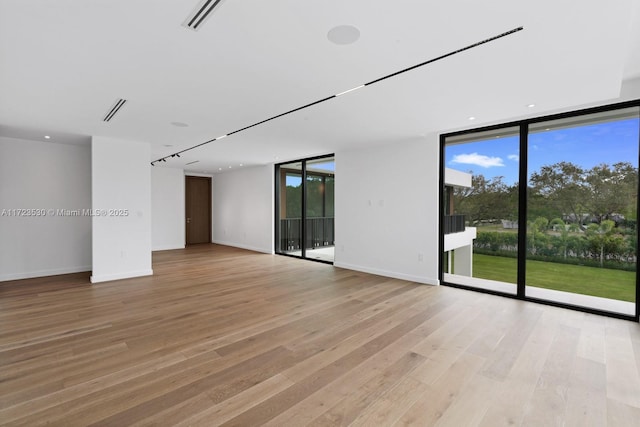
pixel 116 107
pixel 372 82
pixel 200 13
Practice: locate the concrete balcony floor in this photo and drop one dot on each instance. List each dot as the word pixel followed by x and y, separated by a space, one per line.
pixel 323 254
pixel 598 303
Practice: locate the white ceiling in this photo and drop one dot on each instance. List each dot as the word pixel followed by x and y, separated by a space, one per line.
pixel 64 63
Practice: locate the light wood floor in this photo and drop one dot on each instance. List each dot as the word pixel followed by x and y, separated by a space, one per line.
pixel 222 336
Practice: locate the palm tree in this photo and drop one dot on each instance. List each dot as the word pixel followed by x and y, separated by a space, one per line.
pixel 536 229
pixel 564 234
pixel 598 234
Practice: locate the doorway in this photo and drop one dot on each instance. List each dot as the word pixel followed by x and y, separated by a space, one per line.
pixel 197 209
pixel 305 208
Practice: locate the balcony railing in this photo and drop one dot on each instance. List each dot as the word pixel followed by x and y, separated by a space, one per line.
pixel 320 233
pixel 454 224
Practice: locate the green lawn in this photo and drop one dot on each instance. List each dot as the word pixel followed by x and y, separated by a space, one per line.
pixel 599 282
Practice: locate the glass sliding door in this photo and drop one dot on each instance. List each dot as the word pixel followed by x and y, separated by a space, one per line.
pixel 290 191
pixel 319 220
pixel 305 208
pixel 582 210
pixel 546 209
pixel 481 210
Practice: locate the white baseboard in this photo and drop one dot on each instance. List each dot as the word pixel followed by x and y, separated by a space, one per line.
pixel 386 273
pixel 43 273
pixel 119 276
pixel 166 247
pixel 241 246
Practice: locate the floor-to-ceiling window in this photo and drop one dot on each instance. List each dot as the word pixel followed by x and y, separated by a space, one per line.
pixel 305 208
pixel 546 209
pixel 582 210
pixel 481 209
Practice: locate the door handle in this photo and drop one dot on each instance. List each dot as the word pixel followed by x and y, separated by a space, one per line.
pixel 188 220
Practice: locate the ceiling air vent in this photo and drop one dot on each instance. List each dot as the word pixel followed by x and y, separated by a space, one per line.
pixel 190 163
pixel 200 13
pixel 116 107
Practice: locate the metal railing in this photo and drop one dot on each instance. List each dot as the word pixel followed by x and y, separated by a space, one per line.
pixel 320 233
pixel 454 224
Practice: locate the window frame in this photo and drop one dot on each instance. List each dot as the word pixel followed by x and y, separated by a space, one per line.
pixel 524 126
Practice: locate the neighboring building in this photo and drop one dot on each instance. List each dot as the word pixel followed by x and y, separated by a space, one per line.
pixel 458 238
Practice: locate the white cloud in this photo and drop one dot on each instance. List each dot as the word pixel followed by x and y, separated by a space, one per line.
pixel 513 157
pixel 478 160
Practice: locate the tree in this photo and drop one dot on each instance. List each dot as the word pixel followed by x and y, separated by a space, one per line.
pixel 536 234
pixel 576 246
pixel 615 246
pixel 315 196
pixel 486 199
pixel 563 186
pixel 598 235
pixel 294 201
pixel 559 225
pixel 631 245
pixel 611 189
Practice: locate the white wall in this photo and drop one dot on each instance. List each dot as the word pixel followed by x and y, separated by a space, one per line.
pixel 630 90
pixel 460 239
pixel 387 210
pixel 49 176
pixel 243 208
pixel 167 208
pixel 121 180
pixel 457 178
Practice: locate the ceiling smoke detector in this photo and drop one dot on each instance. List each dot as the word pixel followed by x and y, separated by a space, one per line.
pixel 200 13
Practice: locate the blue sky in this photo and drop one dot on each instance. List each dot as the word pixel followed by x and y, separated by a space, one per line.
pixel 586 146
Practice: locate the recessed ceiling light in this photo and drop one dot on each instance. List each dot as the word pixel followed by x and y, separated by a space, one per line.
pixel 531 105
pixel 230 166
pixel 472 118
pixel 343 34
pixel 47 137
pixel 180 124
pixel 241 164
pixel 219 169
